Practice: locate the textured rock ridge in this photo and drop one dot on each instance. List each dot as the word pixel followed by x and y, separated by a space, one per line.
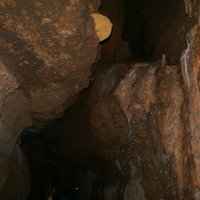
pixel 190 71
pixel 140 121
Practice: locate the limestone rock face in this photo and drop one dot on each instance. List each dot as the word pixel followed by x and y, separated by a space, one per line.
pixel 190 71
pixel 139 116
pixel 46 52
pixel 135 119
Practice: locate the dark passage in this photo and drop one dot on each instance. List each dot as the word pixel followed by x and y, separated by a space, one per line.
pixel 136 30
pixel 51 175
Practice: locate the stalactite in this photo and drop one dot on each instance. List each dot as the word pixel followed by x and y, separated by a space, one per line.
pixel 188 6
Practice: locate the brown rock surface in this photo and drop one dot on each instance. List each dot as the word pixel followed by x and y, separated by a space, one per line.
pixel 46 52
pixel 139 117
pixel 135 119
pixel 190 71
pixel 138 121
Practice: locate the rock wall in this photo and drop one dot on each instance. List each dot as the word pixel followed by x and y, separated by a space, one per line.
pixel 47 49
pixel 135 117
pixel 140 117
pixel 190 71
pixel 137 123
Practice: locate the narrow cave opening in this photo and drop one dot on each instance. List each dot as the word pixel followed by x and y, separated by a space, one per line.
pixel 131 35
pixel 60 170
pixel 64 163
pixel 136 30
pixel 52 175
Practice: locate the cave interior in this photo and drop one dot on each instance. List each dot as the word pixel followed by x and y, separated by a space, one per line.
pixel 121 135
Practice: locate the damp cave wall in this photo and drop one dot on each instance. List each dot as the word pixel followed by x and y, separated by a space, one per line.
pixel 34 70
pixel 44 52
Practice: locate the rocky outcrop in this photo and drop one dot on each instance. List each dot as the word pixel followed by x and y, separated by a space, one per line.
pixel 190 71
pixel 134 118
pixel 140 117
pixel 46 53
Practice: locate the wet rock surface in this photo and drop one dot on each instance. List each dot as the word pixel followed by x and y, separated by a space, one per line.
pixel 135 119
pixel 190 71
pixel 140 123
